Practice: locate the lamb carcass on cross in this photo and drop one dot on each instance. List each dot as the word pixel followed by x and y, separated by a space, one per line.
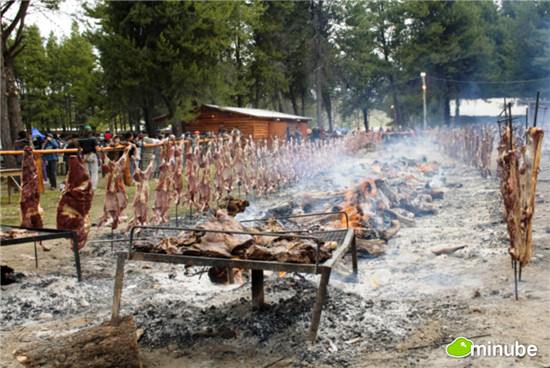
pixel 141 197
pixel 76 200
pixel 163 196
pixel 116 199
pixel 31 212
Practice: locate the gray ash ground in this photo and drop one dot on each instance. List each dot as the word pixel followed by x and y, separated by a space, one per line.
pixel 426 302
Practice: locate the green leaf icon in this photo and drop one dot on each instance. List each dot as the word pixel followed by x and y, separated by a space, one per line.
pixel 459 348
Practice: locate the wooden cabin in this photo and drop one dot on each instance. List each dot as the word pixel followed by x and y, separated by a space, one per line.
pixel 260 124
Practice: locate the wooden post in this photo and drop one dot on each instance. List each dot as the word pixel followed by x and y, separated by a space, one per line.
pixel 38 164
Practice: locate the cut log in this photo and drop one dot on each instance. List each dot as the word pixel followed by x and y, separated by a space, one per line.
pixel 373 248
pixel 111 344
pixel 435 193
pixel 390 231
pixel 402 219
pixel 388 192
pixel 448 250
pixel 417 207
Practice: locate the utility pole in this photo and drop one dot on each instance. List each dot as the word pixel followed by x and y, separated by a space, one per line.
pixel 423 76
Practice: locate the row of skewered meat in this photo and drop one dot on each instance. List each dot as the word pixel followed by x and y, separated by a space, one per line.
pixel 517 167
pixel 236 164
pixel 471 145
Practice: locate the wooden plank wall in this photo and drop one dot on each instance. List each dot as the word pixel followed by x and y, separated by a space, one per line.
pixel 258 128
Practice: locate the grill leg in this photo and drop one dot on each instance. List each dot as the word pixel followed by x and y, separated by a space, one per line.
pixel 230 278
pixel 321 294
pixel 354 254
pixel 35 256
pixel 257 288
pixel 121 259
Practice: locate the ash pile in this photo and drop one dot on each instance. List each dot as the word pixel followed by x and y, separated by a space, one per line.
pixel 398 200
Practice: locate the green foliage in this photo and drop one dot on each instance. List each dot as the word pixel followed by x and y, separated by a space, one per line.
pixel 168 57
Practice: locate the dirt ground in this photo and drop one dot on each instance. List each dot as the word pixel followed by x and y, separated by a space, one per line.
pixel 426 302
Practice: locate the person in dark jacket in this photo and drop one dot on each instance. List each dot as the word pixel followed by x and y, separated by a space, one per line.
pixel 51 160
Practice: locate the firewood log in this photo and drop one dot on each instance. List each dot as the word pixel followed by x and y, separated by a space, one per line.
pixel 402 219
pixel 390 231
pixel 110 344
pixel 449 250
pixel 388 192
pixel 374 247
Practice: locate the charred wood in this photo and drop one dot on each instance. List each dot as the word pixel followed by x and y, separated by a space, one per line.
pixel 390 231
pixel 111 344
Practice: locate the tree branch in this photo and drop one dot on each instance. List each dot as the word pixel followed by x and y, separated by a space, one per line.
pixel 6 7
pixel 20 17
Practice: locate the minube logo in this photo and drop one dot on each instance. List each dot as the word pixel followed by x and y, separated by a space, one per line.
pixel 462 347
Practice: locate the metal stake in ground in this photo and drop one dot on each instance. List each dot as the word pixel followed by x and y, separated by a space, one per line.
pixel 536 109
pixel 516 277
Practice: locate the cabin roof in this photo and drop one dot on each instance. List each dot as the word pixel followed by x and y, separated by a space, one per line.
pixel 259 113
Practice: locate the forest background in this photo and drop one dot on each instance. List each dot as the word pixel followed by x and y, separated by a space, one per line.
pixel 338 61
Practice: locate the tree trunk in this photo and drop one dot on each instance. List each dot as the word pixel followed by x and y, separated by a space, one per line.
pixel 147 117
pixel 328 108
pixel 365 118
pixel 110 344
pixel 303 95
pixel 292 95
pixel 11 119
pixel 319 96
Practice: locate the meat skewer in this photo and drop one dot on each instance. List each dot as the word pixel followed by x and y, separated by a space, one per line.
pixel 141 197
pixel 177 179
pixel 192 174
pixel 31 212
pixel 29 202
pixel 116 199
pixel 162 191
pixel 521 246
pixel 203 187
pixel 76 200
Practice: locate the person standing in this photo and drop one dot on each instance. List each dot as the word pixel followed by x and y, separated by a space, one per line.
pixel 72 143
pixel 90 153
pixel 51 160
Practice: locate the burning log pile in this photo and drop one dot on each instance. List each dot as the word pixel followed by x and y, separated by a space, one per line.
pixel 470 145
pixel 377 207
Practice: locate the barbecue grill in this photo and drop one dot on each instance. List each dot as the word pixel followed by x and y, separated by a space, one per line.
pixel 44 234
pixel 345 239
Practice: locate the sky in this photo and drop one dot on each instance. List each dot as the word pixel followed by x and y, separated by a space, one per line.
pixel 56 21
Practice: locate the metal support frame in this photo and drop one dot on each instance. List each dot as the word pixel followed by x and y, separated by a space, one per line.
pixel 346 243
pixel 46 234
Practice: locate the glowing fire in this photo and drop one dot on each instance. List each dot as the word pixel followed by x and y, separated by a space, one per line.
pixel 282 274
pixel 428 167
pixel 238 276
pixel 353 199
